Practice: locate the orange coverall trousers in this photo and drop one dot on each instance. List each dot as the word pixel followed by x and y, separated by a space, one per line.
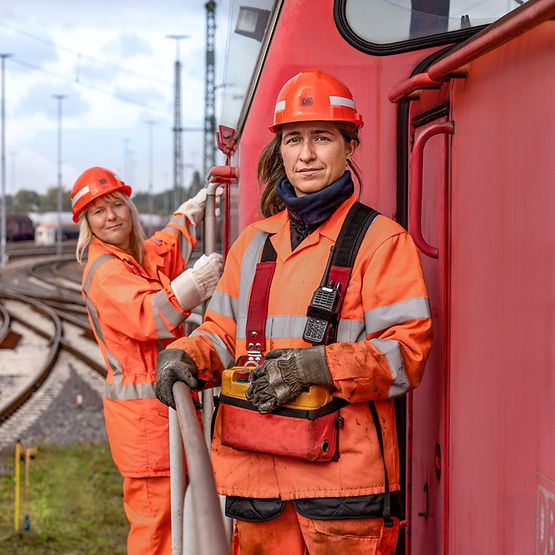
pixel 148 509
pixel 294 534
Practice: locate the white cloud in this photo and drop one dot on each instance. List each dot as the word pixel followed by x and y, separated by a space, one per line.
pixel 113 61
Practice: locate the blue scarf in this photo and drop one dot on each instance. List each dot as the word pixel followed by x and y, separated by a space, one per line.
pixel 315 208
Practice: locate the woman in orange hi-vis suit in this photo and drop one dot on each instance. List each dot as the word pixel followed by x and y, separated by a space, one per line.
pixel 137 295
pixel 287 502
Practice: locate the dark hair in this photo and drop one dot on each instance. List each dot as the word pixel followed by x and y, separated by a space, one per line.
pixel 271 170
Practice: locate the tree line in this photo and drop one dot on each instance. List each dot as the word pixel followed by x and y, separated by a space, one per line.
pixel 164 202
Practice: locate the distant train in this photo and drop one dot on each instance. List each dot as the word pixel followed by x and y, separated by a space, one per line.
pixel 19 227
pixel 46 224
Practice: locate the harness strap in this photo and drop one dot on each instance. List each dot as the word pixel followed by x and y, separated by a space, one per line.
pixel 348 242
pixel 388 521
pixel 258 301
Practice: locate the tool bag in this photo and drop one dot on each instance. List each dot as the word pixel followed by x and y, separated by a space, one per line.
pixel 309 427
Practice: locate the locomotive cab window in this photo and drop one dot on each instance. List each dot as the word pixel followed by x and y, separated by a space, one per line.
pixel 393 26
pixel 249 20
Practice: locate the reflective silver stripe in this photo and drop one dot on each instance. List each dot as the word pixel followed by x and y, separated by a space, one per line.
pixel 82 192
pixel 112 360
pixel 94 266
pixel 351 331
pixel 225 356
pixel 342 101
pixel 248 269
pixel 129 391
pixel 392 351
pixel 176 220
pixel 224 305
pixel 184 244
pixel 292 327
pixel 384 317
pixel 161 303
pixel 161 328
pixel 280 106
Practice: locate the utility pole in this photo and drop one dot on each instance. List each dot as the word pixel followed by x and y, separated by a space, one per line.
pixel 177 129
pixel 3 255
pixel 126 156
pixel 210 90
pixel 150 124
pixel 59 98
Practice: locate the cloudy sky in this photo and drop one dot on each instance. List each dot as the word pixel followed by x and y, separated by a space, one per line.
pixel 112 60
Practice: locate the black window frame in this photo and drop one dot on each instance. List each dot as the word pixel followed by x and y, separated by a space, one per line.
pixel 391 48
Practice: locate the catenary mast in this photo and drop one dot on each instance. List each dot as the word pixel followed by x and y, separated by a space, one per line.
pixel 210 90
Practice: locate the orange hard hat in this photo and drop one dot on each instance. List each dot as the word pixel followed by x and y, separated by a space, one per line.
pixel 315 96
pixel 94 183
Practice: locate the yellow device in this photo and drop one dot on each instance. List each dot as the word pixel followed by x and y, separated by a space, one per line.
pixel 235 383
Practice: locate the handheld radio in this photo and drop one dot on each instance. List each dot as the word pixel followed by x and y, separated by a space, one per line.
pixel 323 310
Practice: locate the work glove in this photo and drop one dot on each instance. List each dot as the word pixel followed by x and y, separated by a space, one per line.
pixel 193 208
pixel 173 365
pixel 284 374
pixel 196 284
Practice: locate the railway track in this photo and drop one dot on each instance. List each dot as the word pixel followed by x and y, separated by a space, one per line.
pixel 40 301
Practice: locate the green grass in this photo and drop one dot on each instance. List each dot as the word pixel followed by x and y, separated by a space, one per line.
pixel 75 504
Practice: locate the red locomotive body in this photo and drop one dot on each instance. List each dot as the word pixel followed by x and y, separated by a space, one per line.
pixel 457 147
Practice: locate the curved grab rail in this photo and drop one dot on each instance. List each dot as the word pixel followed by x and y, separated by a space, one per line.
pixel 415 184
pixel 522 19
pixel 211 534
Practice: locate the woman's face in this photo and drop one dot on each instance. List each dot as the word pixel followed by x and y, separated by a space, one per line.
pixel 110 220
pixel 314 155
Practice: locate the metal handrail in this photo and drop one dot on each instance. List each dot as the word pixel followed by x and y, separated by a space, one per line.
pixel 415 184
pixel 211 536
pixel 198 523
pixel 513 24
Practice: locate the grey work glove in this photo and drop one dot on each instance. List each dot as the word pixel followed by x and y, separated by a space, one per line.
pixel 173 365
pixel 284 374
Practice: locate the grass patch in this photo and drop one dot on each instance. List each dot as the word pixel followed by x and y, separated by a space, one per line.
pixel 75 504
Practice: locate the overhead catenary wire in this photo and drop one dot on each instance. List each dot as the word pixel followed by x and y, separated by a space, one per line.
pixel 81 54
pixel 89 86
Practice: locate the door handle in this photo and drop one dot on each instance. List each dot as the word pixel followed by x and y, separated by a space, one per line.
pixel 415 184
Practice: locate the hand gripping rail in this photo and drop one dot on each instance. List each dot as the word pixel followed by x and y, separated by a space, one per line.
pixel 209 534
pixel 198 524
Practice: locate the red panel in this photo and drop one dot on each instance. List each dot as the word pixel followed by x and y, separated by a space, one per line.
pixel 503 299
pixel 428 404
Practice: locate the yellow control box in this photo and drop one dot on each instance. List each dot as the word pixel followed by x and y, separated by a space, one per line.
pixel 235 383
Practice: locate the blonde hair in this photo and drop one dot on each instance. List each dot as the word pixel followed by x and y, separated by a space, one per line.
pixel 271 169
pixel 136 240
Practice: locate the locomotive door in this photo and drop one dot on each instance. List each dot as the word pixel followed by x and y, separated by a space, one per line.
pixel 428 405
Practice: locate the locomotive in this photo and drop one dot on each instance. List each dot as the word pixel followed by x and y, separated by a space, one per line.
pixel 457 148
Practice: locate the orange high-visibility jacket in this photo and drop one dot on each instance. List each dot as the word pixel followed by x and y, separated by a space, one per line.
pixel 134 313
pixel 383 340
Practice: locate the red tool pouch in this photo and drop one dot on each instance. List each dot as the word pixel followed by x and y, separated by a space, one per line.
pixel 311 435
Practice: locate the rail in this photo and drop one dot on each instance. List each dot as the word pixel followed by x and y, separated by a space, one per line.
pixel 11 406
pixel 199 526
pixel 6 323
pixel 211 537
pixel 524 18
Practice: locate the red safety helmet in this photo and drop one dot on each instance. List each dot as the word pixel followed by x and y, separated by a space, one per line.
pixel 315 96
pixel 94 183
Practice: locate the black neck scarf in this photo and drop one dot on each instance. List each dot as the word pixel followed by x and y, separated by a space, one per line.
pixel 311 211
